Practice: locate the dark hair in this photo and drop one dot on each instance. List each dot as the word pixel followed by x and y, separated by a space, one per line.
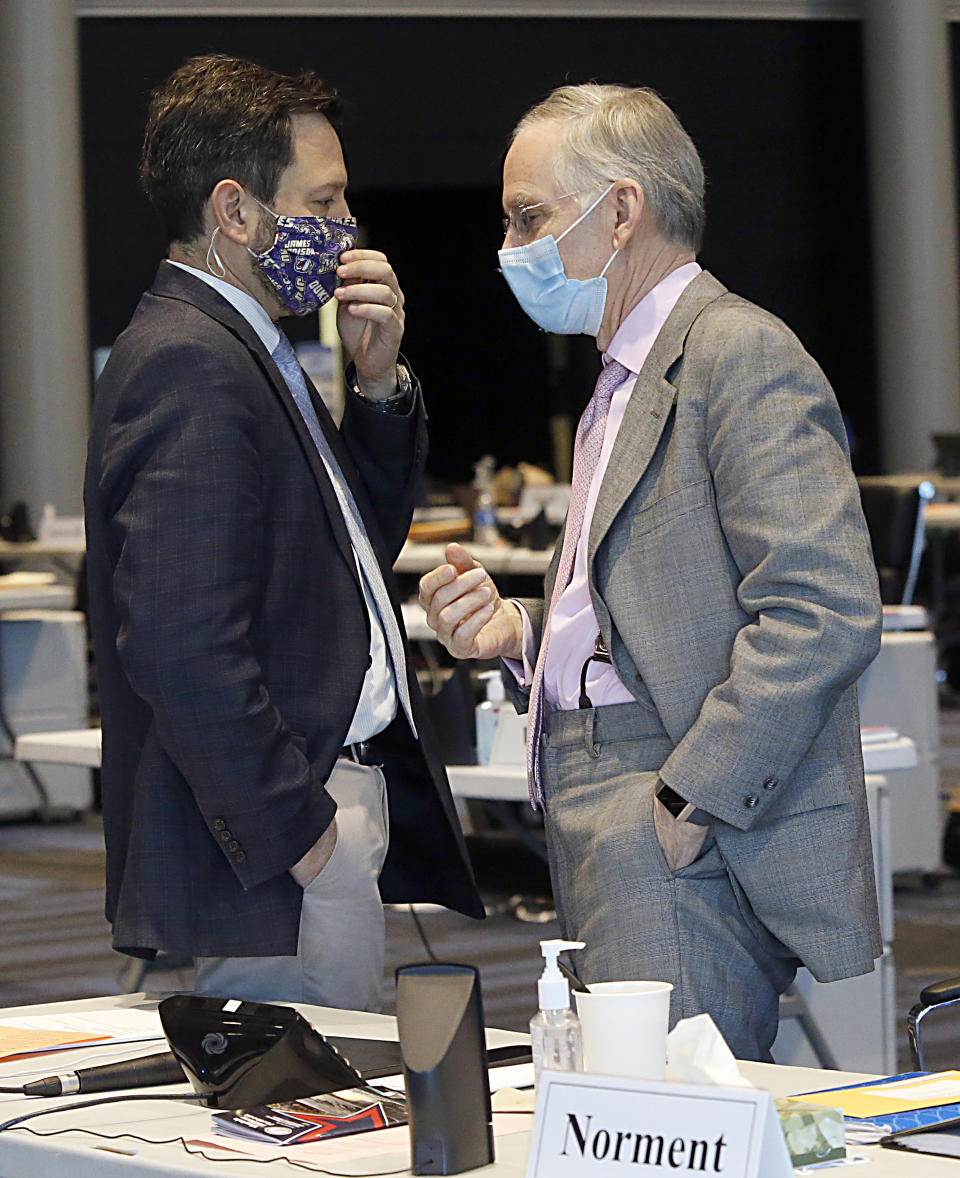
pixel 222 117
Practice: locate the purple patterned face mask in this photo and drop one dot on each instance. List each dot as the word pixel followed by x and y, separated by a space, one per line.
pixel 302 262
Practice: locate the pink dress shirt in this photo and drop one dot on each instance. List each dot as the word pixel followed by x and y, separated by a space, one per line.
pixel 573 624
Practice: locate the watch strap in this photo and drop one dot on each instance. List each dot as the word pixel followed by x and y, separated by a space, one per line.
pixel 680 808
pixel 398 402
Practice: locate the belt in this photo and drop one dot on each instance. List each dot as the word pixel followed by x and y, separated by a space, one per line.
pixel 360 753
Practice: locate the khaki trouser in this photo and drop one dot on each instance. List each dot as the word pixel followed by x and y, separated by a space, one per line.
pixel 339 959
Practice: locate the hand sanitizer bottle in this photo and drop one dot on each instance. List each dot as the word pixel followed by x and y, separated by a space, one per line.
pixel 555 1031
pixel 488 715
pixel 484 513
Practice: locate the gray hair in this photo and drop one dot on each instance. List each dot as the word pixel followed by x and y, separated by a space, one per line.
pixel 612 132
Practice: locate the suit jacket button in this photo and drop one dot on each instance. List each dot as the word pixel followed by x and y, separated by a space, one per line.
pixel 225 836
pixel 218 824
pixel 240 856
pixel 234 846
pixel 771 783
pixel 751 801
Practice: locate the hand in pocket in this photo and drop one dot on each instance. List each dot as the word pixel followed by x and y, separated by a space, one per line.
pixel 306 870
pixel 680 841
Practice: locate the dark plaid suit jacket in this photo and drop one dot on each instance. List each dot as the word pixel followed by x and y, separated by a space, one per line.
pixel 232 637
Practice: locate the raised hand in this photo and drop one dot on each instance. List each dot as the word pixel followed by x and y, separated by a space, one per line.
pixel 467 613
pixel 370 318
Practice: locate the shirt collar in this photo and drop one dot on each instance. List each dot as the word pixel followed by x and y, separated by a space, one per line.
pixel 636 334
pixel 245 304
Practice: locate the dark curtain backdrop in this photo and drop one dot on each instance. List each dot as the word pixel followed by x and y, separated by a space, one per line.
pixel 775 108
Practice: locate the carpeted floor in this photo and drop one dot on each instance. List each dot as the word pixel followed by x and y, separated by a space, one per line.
pixel 54 941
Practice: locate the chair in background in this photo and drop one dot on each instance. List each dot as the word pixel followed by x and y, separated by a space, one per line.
pixel 939 994
pixel 894 512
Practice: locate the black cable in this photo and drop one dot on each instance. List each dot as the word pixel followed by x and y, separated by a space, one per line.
pixel 20 1122
pixel 65 1108
pixel 199 1150
pixel 12 1091
pixel 423 935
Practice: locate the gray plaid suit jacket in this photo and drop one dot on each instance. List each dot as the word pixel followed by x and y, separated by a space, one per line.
pixel 732 578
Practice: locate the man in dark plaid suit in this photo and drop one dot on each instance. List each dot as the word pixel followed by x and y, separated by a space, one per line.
pixel 266 759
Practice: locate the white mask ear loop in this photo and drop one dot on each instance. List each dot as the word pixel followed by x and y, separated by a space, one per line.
pixel 607 267
pixel 276 217
pixel 586 214
pixel 212 250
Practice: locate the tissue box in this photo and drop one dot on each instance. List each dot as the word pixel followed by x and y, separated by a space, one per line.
pixel 813 1133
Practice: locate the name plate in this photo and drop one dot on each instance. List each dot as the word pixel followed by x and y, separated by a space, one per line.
pixel 586 1125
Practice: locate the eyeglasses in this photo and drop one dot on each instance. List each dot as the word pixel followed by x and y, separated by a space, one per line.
pixel 525 219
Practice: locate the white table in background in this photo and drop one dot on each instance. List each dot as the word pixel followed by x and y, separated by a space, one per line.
pixel 43 685
pixel 495 558
pixel 30 597
pixel 899 688
pixel 78 746
pixel 34 549
pixel 508 783
pixel 503 783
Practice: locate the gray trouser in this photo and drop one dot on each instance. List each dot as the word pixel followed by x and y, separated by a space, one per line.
pixel 693 927
pixel 339 959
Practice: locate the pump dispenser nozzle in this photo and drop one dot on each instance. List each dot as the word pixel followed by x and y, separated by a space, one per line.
pixel 553 989
pixel 493 682
pixel 555 1029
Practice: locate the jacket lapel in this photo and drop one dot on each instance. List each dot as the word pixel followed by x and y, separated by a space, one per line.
pixel 171 282
pixel 349 472
pixel 649 408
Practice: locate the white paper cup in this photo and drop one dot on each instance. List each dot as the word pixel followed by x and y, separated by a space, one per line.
pixel 625 1028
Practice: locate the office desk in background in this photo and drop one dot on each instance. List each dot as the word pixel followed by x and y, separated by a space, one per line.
pixel 942 517
pixel 23 1155
pixel 29 597
pixel 413 558
pixel 43 686
pixel 495 558
pixel 63 557
pixel 33 549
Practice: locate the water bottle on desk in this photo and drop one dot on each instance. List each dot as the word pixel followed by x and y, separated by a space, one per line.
pixel 484 514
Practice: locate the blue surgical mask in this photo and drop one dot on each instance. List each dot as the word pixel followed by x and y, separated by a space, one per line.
pixel 301 264
pixel 535 274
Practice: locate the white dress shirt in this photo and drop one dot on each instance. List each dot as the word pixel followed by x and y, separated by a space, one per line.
pixel 378 701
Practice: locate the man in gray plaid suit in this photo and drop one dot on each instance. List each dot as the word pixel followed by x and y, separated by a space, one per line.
pixel 691 668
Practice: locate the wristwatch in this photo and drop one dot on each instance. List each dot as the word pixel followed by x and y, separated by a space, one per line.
pixel 680 808
pixel 398 402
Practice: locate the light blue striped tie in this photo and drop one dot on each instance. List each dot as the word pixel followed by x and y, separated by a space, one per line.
pixel 286 360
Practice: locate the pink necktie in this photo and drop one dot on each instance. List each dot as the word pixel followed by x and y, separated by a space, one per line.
pixel 586 455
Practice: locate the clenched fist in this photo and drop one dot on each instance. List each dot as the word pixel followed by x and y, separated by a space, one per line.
pixel 467 613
